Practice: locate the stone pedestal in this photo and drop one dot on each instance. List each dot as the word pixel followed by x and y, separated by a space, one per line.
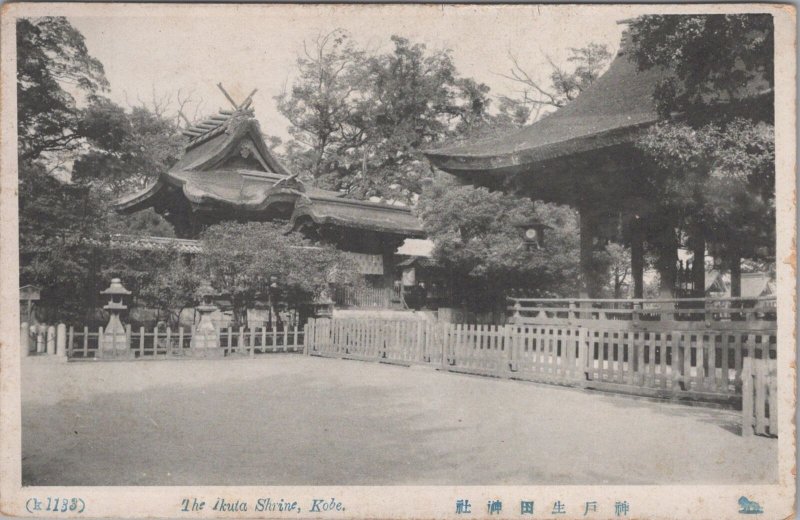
pixel 114 341
pixel 205 339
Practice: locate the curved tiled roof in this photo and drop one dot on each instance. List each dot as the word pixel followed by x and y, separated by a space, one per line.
pixel 229 165
pixel 608 112
pixel 358 214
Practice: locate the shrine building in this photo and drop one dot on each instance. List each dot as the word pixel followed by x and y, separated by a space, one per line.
pixel 227 172
pixel 584 155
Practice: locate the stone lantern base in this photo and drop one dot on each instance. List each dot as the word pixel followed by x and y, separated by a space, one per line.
pixel 113 344
pixel 205 340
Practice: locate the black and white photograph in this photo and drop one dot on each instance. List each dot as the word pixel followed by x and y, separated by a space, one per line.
pixel 398 261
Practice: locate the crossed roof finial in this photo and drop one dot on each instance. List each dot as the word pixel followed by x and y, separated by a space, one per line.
pixel 204 130
pixel 244 105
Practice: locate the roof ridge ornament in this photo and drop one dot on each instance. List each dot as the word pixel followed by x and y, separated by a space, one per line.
pixel 220 122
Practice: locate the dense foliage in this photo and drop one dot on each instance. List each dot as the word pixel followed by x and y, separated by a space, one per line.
pixel 360 120
pixel 76 155
pixel 714 60
pixel 52 60
pixel 259 261
pixel 715 148
pixel 478 244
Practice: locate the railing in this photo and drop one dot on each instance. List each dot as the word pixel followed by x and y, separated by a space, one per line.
pixel 158 343
pixel 363 297
pixel 760 397
pixel 640 314
pixel 680 364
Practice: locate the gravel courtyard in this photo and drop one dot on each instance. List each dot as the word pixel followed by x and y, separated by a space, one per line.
pixel 294 420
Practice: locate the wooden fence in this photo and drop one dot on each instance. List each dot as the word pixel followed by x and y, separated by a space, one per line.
pixel 363 297
pixel 759 397
pixel 161 343
pixel 699 314
pixel 699 365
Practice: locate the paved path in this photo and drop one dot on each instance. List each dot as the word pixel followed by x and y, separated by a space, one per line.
pixel 289 419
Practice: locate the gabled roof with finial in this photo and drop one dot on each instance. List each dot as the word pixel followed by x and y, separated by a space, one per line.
pixel 227 164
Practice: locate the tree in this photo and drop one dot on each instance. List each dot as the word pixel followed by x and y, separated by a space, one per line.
pixel 257 261
pixel 714 60
pixel 477 242
pixel 360 120
pixel 126 150
pixel 619 264
pixel 324 106
pixel 57 221
pixel 64 219
pixel 162 279
pixel 534 100
pixel 714 149
pixel 565 85
pixel 52 61
pixel 721 178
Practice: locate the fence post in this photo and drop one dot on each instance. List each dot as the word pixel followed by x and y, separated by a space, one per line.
pixel 61 340
pixel 24 339
pixel 40 340
pixel 508 346
pixel 747 396
pixel 308 336
pixel 71 341
pixel 584 357
pixel 445 341
pixel 51 340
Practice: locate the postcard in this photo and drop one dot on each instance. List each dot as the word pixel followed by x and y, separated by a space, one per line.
pixel 355 261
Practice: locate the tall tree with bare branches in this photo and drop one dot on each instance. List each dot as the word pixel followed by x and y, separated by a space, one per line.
pixel 585 65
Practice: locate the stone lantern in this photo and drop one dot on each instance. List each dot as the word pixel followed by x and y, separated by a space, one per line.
pixel 114 342
pixel 205 339
pixel 323 305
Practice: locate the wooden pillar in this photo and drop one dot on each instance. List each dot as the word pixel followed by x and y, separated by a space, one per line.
pixel 698 262
pixel 668 262
pixel 637 257
pixel 736 274
pixel 588 225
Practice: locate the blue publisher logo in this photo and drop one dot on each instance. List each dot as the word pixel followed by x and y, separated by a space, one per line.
pixel 748 507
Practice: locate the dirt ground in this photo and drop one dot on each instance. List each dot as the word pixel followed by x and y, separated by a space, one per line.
pixel 294 420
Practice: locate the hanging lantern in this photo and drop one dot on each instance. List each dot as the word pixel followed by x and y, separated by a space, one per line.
pixel 533 231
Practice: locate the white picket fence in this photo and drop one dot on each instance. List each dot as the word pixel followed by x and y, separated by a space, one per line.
pixel 698 365
pixel 760 397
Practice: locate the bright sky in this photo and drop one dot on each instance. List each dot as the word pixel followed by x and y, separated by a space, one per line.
pixel 257 46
